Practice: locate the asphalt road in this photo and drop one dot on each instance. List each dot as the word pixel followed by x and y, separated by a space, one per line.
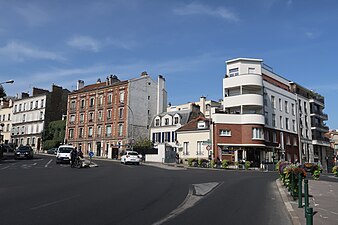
pixel 39 191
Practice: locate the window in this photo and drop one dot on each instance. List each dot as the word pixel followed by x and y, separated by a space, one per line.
pixel 110 98
pixel 99 131
pixel 36 104
pixel 20 105
pixel 280 104
pixel 226 133
pixel 267 135
pixel 41 115
pixel 100 100
pixel 99 118
pixel 82 105
pixel 176 120
pixel 305 108
pixel 80 132
pixel 91 117
pixel 257 133
pixel 251 70
pixel 24 107
pixel 294 141
pixel 266 118
pixel 120 113
pixel 273 102
pixel 42 103
pixel 7 129
pixel 90 131
pixel 185 148
pixel 31 105
pixel 166 136
pixel 201 125
pixel 199 148
pixel 166 121
pixel 288 141
pixel 274 120
pixel 91 102
pixel 120 129
pixel 109 114
pixel 72 105
pixel 121 96
pixel 293 109
pixel 23 118
pixel 9 117
pixel 108 130
pixel 23 130
pixel 281 122
pixel 81 118
pixel 15 108
pixel 286 106
pixel 72 119
pixel 287 124
pixel 293 125
pixel 157 122
pixel 233 72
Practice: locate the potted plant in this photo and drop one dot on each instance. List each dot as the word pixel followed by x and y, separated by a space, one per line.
pixel 335 170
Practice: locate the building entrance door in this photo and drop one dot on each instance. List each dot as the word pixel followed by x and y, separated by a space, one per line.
pixel 98 148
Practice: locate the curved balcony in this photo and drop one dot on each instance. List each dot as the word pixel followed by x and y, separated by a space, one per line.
pixel 239 118
pixel 248 99
pixel 247 79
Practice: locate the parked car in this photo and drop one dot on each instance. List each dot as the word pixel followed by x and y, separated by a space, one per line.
pixel 63 154
pixel 52 151
pixel 24 152
pixel 130 157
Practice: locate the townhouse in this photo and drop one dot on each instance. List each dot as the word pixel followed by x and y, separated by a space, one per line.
pixel 5 120
pixel 32 114
pixel 108 117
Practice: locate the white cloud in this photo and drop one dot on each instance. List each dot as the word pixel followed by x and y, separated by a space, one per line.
pixel 199 9
pixel 33 15
pixel 20 52
pixel 289 2
pixel 312 34
pixel 84 43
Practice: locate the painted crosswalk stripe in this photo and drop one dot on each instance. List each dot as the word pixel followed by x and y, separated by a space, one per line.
pixel 48 163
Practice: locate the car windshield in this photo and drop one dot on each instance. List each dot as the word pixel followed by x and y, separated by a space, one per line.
pixel 132 153
pixel 23 148
pixel 65 150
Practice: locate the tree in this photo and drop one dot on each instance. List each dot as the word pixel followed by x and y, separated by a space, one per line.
pixel 54 134
pixel 142 145
pixel 2 91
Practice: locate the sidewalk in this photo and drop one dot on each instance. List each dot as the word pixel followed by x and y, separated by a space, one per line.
pixel 323 200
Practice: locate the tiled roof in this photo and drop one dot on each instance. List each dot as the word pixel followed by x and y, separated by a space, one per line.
pixel 192 125
pixel 97 86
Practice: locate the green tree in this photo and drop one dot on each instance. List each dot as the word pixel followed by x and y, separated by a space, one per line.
pixel 2 92
pixel 54 134
pixel 142 145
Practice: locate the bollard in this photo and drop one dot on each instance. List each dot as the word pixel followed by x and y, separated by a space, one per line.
pixel 300 191
pixel 309 216
pixel 306 194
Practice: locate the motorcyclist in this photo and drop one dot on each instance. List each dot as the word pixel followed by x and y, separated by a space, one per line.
pixel 73 156
pixel 80 154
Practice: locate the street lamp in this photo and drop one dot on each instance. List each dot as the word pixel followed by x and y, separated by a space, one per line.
pixel 7 82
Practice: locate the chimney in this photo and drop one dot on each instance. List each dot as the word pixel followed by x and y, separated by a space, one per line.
pixel 98 81
pixel 161 95
pixel 107 81
pixel 80 84
pixel 144 73
pixel 202 104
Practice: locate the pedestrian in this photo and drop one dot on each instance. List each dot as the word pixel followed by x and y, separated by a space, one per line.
pixel 177 158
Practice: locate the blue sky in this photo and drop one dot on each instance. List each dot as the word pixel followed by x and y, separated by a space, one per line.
pixel 45 42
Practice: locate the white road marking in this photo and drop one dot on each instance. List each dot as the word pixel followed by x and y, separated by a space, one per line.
pixel 53 203
pixel 195 194
pixel 48 163
pixel 4 168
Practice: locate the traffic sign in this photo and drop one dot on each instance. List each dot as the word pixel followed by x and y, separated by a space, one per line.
pixel 208 147
pixel 91 154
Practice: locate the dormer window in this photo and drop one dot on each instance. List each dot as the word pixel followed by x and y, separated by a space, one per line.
pixel 175 120
pixel 201 125
pixel 157 122
pixel 166 121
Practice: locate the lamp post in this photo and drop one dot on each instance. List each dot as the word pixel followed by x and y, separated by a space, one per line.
pixel 7 82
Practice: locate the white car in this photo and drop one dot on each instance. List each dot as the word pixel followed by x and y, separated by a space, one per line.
pixel 131 157
pixel 63 154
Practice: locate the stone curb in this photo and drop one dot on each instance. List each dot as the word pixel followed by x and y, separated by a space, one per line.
pixel 292 214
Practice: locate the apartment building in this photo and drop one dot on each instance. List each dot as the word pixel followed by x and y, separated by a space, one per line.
pixel 259 118
pixel 107 117
pixel 32 114
pixel 5 120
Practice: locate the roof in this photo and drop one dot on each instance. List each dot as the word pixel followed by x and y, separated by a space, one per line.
pixel 244 59
pixel 184 114
pixel 97 86
pixel 192 125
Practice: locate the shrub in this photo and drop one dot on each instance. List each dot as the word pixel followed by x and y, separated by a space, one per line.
pixel 212 163
pixel 247 164
pixel 335 170
pixel 190 161
pixel 225 163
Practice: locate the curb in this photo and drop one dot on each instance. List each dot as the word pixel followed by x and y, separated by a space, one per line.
pixel 292 214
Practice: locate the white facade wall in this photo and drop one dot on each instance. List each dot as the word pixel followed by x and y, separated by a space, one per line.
pixel 192 138
pixel 5 119
pixel 280 96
